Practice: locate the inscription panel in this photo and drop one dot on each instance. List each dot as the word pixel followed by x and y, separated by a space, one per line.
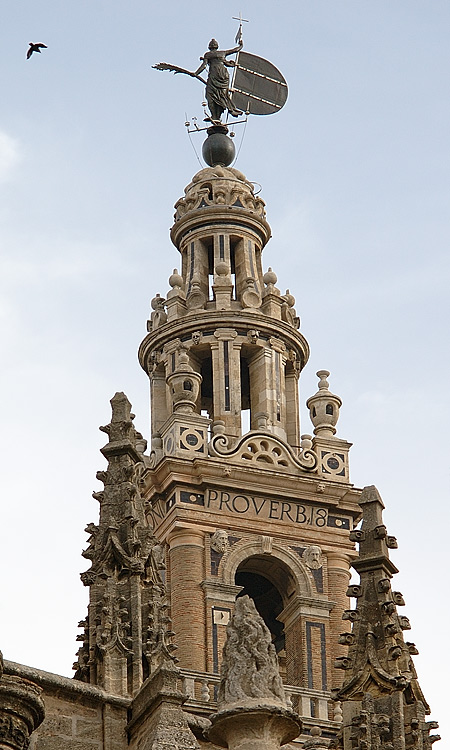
pixel 290 511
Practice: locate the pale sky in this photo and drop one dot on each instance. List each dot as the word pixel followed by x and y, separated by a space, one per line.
pixel 355 174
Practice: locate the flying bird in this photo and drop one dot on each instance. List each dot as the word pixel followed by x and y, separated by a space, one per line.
pixel 34 48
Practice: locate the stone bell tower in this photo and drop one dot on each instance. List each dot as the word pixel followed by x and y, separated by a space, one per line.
pixel 240 500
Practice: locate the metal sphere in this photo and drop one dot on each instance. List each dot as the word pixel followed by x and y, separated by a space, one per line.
pixel 218 149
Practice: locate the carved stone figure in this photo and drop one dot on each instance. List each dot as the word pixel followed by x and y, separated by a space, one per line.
pixel 196 337
pixel 219 541
pixel 159 556
pixel 312 557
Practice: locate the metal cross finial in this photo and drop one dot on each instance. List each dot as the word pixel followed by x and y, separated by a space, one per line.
pixel 241 20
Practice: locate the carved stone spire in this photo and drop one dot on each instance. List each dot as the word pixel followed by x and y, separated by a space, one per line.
pixel 383 705
pixel 127 631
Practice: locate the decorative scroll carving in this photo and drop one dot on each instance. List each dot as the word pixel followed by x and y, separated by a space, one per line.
pixel 219 186
pixel 263 450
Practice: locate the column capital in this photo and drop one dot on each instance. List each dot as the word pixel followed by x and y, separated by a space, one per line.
pixel 186 536
pixel 225 334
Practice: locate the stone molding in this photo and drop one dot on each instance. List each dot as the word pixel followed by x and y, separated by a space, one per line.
pixel 51 682
pixel 218 591
pixel 307 607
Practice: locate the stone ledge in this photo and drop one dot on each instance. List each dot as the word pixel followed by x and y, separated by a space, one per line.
pixel 58 683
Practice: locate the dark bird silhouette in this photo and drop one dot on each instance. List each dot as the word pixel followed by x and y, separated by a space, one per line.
pixel 34 48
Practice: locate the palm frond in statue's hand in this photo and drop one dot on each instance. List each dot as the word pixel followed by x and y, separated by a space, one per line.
pixel 176 69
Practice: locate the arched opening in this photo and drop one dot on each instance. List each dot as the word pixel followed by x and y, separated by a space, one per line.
pixel 206 404
pixel 245 397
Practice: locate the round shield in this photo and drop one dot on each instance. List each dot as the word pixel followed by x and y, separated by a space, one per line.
pixel 258 86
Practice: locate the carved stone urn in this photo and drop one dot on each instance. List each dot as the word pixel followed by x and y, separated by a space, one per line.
pixel 184 385
pixel 324 407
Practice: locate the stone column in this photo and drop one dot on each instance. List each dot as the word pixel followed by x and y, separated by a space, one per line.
pixel 292 408
pixel 227 380
pixel 186 554
pixel 338 578
pixel 158 399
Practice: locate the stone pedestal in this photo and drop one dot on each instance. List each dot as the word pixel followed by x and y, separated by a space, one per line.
pixel 254 727
pixel 158 721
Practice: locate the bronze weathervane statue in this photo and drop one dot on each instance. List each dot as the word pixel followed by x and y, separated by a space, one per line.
pixel 257 88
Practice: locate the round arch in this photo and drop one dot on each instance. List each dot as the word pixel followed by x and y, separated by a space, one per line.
pixel 289 576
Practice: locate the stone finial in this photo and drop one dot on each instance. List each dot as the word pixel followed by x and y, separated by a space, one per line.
pixel 175 280
pixel 221 268
pixel 324 407
pixel 250 666
pixel 253 712
pixel 270 277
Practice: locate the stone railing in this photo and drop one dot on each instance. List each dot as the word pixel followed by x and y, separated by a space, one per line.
pixel 201 691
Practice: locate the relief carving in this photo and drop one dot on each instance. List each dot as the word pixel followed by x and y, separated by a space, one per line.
pixel 219 541
pixel 312 557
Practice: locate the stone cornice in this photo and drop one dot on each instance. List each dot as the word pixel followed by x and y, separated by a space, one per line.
pixel 212 320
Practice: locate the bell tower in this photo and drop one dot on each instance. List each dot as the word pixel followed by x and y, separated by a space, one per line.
pixel 241 501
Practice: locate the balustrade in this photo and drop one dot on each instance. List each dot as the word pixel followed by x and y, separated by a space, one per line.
pixel 201 691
